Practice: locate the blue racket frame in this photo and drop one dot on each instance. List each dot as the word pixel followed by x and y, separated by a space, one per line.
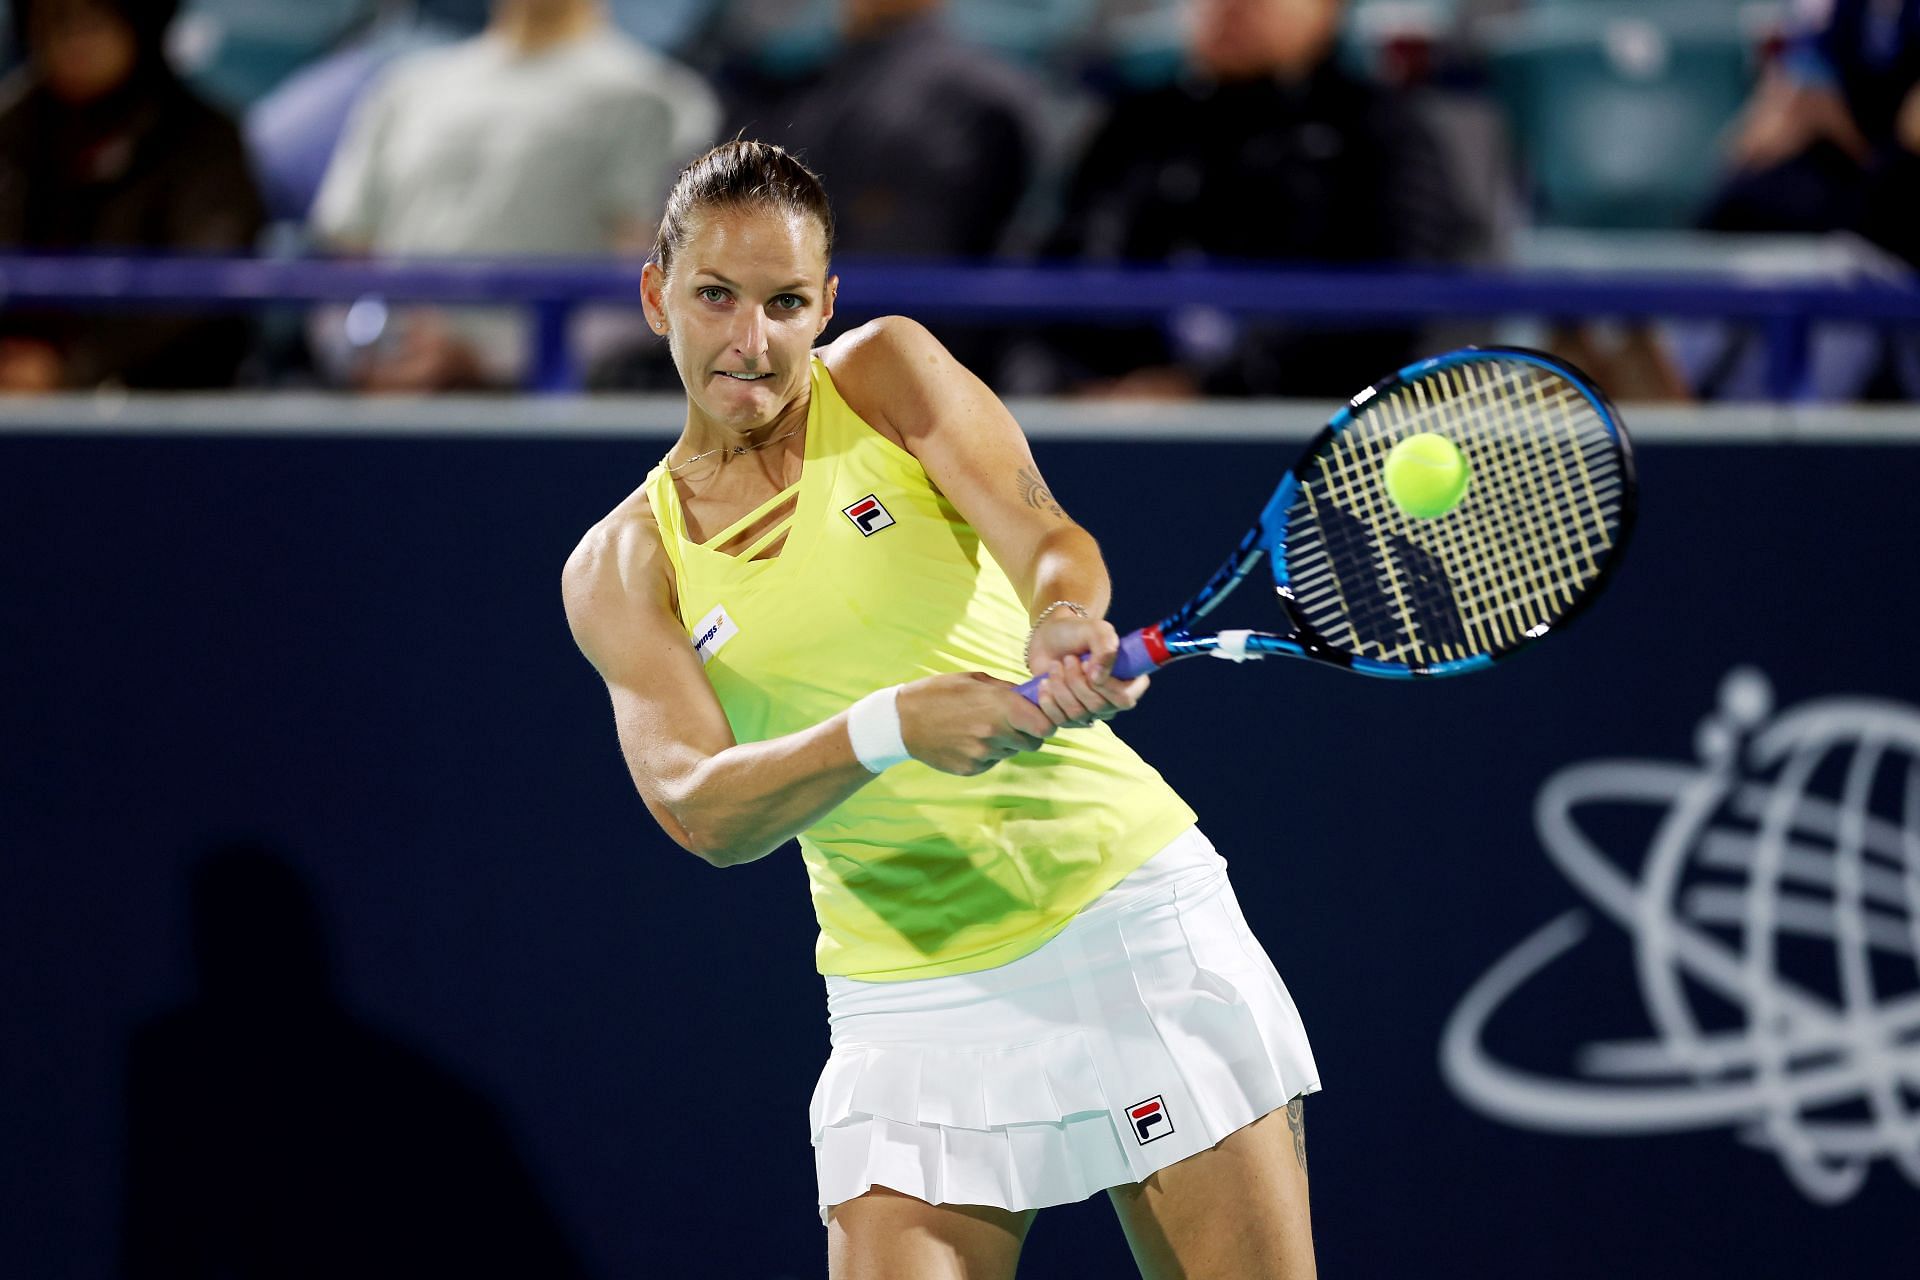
pixel 1173 637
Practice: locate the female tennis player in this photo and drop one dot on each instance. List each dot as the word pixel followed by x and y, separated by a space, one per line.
pixel 811 617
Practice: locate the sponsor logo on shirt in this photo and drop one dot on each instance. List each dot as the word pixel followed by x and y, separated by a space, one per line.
pixel 713 631
pixel 868 516
pixel 1150 1120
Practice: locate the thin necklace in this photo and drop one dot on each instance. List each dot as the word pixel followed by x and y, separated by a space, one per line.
pixel 731 450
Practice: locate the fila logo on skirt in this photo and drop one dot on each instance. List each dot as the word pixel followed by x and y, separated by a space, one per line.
pixel 868 516
pixel 1150 1120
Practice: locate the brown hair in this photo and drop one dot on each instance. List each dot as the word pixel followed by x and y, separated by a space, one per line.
pixel 740 174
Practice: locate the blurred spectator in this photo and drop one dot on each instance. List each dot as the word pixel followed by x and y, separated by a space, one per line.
pixel 293 129
pixel 1831 139
pixel 103 148
pixel 549 133
pixel 1270 150
pixel 928 143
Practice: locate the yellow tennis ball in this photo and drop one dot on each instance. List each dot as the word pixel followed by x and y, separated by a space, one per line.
pixel 1426 475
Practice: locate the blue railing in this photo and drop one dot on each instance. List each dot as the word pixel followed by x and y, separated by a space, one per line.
pixel 551 290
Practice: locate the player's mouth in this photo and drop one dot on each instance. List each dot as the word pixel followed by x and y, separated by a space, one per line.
pixel 742 377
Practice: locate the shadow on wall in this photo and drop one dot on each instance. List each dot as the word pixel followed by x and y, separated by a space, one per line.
pixel 271 1134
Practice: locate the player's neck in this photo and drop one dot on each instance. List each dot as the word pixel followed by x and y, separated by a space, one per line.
pixel 532 26
pixel 707 440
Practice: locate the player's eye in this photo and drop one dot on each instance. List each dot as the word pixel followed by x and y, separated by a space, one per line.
pixel 712 293
pixel 789 302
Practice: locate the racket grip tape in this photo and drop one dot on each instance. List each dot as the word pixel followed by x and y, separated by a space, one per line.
pixel 1140 652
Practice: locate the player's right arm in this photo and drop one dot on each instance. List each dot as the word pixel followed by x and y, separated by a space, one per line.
pixel 727 801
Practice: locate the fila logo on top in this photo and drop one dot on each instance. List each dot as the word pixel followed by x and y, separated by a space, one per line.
pixel 1150 1120
pixel 868 516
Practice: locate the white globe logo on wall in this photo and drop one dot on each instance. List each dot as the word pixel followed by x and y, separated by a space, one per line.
pixel 1775 926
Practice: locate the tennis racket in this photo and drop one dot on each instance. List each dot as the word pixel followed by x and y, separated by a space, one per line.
pixel 1365 586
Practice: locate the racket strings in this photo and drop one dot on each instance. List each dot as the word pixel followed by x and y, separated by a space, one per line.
pixel 1519 581
pixel 1537 524
pixel 1516 590
pixel 1532 567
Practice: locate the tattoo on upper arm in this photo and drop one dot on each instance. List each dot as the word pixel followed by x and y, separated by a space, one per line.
pixel 1034 491
pixel 1297 1121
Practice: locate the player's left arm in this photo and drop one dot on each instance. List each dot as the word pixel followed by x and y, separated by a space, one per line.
pixel 899 377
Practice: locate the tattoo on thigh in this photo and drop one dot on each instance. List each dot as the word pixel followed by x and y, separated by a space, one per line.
pixel 1297 1121
pixel 1034 491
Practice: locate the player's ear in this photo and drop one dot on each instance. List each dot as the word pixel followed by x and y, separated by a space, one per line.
pixel 826 305
pixel 653 301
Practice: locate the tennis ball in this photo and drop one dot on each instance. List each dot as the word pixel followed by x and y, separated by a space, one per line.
pixel 1426 475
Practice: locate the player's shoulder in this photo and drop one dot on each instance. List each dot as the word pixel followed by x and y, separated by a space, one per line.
pixel 889 371
pixel 626 536
pixel 887 349
pixel 618 564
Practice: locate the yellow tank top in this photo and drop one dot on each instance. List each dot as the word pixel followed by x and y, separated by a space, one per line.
pixel 919 873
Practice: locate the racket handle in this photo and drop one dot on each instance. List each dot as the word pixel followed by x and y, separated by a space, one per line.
pixel 1134 659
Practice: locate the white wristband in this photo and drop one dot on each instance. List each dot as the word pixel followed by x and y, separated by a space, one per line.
pixel 873 726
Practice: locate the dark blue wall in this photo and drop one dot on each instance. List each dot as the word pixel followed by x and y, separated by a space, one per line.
pixel 558 1039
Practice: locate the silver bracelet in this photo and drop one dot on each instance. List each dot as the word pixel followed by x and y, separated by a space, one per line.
pixel 1078 610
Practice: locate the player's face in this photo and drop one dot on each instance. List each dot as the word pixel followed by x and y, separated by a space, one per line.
pixel 748 295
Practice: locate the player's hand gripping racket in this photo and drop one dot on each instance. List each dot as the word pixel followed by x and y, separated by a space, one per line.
pixel 1446 517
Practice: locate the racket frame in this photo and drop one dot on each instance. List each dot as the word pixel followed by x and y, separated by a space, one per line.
pixel 1172 638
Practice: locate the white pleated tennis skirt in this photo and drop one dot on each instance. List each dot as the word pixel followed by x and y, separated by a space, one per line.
pixel 1148 1030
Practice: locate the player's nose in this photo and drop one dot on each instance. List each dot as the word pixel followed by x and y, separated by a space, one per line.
pixel 750 338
